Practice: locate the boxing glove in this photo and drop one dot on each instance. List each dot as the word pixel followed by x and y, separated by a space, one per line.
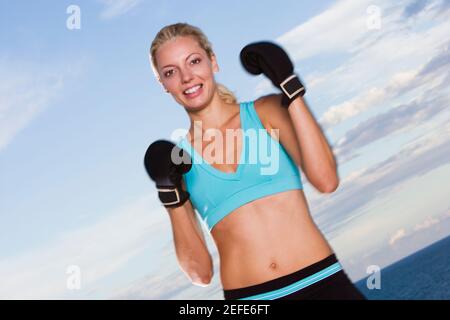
pixel 165 163
pixel 271 60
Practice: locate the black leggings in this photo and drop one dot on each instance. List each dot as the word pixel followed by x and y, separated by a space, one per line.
pixel 323 280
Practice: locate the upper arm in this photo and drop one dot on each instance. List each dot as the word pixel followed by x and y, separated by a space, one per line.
pixel 274 116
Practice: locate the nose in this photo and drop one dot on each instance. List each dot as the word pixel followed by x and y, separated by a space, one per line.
pixel 186 75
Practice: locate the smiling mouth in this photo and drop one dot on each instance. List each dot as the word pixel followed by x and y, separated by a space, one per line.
pixel 193 90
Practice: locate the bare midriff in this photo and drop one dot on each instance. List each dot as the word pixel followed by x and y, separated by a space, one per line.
pixel 268 238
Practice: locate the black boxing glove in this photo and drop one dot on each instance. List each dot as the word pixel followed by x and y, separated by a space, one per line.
pixel 270 59
pixel 165 164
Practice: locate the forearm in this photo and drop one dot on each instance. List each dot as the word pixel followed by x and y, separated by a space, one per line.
pixel 198 270
pixel 317 159
pixel 192 253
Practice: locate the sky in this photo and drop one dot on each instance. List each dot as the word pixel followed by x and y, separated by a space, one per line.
pixel 79 106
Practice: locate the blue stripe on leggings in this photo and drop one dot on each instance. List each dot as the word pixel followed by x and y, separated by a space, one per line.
pixel 316 277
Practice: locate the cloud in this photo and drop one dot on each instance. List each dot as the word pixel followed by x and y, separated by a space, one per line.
pixel 387 254
pixel 335 29
pixel 418 7
pixel 428 222
pixel 398 235
pixel 437 63
pixel 263 87
pixel 355 68
pixel 170 282
pixel 359 59
pixel 401 118
pixel 173 285
pixel 115 8
pixel 416 158
pixel 27 89
pixel 24 94
pixel 414 7
pixel 373 97
pixel 100 250
pixel 432 74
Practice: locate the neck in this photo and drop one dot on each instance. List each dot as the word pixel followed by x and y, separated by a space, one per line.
pixel 214 115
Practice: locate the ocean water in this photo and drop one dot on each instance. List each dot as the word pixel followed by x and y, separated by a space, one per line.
pixel 424 275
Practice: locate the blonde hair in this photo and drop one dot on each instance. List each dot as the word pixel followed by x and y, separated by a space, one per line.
pixel 183 29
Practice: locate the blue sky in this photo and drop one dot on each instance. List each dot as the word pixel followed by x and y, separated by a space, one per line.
pixel 78 109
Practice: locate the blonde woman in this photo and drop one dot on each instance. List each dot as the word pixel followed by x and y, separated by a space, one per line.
pixel 268 243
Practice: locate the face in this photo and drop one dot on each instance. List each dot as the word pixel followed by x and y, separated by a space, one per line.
pixel 186 71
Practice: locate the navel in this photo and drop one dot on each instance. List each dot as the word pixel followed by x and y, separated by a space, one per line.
pixel 273 266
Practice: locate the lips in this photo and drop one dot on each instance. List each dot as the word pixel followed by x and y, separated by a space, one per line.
pixel 194 93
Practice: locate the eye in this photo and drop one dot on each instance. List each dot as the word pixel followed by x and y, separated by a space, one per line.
pixel 168 73
pixel 196 59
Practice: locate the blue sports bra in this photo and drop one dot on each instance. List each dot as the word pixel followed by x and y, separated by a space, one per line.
pixel 264 168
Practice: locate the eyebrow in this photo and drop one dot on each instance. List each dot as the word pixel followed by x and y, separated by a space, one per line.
pixel 169 65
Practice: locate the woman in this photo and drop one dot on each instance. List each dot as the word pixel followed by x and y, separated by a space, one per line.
pixel 269 246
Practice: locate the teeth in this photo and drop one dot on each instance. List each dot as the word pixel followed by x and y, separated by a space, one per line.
pixel 192 90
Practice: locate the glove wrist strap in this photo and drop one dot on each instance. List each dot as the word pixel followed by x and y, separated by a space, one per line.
pixel 292 86
pixel 172 197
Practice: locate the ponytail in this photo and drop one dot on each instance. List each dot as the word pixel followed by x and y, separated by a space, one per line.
pixel 225 94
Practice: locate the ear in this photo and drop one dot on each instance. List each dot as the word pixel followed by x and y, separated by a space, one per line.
pixel 215 65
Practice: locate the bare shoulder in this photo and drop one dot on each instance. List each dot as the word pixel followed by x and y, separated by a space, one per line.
pixel 264 103
pixel 274 97
pixel 269 109
pixel 264 106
